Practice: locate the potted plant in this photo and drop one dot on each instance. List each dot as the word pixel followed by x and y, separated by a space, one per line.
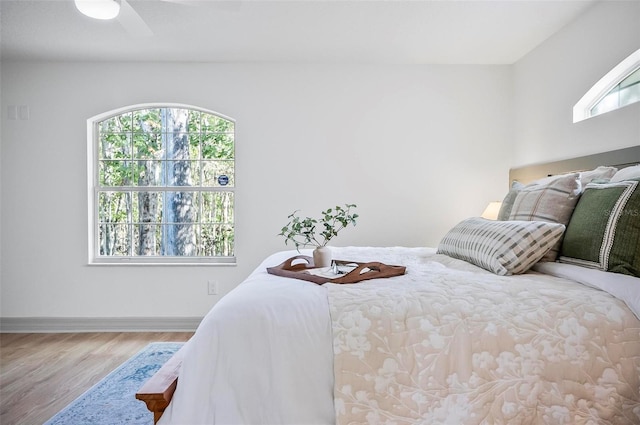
pixel 309 231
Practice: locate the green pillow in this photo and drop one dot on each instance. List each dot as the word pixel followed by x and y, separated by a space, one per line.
pixel 604 230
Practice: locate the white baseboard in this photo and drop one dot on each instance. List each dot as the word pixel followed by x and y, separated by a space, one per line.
pixel 98 324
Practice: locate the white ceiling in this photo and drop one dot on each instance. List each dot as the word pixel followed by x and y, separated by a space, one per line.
pixel 293 31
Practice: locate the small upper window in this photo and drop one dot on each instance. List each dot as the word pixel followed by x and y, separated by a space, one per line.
pixel 625 93
pixel 161 186
pixel 620 87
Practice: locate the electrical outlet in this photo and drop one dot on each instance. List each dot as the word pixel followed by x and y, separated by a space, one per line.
pixel 212 287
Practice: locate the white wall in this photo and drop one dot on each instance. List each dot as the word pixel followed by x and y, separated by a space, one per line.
pixel 551 79
pixel 416 147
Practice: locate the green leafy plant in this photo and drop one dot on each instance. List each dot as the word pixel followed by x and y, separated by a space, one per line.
pixel 318 232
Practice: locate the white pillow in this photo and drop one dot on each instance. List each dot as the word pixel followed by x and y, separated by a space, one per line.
pixel 628 173
pixel 599 173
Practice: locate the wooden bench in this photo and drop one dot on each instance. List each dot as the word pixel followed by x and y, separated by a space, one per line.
pixel 158 390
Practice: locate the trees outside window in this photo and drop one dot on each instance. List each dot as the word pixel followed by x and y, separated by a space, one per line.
pixel 163 182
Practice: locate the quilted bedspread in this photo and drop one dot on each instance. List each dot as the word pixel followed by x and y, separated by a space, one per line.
pixel 449 343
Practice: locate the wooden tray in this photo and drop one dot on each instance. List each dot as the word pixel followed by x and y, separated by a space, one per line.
pixel 296 267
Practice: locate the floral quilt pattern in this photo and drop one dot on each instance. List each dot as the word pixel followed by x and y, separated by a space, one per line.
pixel 449 343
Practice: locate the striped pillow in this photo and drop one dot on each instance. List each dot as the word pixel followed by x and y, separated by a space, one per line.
pixel 502 247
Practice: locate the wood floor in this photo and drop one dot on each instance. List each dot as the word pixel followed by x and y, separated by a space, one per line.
pixel 41 373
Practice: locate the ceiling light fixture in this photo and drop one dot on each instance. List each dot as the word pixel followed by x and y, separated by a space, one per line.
pixel 99 9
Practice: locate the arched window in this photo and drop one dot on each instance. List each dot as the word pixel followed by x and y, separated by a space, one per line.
pixel 162 182
pixel 620 87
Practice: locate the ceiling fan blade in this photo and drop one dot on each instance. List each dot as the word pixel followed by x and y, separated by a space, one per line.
pixel 132 22
pixel 185 2
pixel 232 5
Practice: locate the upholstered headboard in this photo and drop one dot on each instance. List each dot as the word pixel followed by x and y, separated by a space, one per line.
pixel 618 158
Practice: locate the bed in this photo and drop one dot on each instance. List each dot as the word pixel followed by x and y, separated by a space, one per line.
pixel 515 321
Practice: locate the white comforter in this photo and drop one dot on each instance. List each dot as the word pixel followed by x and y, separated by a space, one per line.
pixel 265 354
pixel 261 356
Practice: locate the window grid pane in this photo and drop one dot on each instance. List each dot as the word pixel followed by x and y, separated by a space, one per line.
pixel 623 94
pixel 143 155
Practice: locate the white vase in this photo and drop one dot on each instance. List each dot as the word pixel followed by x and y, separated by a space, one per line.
pixel 322 256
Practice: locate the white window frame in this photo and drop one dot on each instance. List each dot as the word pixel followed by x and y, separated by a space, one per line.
pixel 582 109
pixel 93 189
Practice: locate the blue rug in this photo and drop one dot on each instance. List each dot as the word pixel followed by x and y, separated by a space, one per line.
pixel 112 400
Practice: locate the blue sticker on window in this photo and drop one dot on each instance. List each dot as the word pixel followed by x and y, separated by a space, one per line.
pixel 223 180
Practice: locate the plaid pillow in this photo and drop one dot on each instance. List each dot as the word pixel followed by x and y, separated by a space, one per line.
pixel 551 200
pixel 502 247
